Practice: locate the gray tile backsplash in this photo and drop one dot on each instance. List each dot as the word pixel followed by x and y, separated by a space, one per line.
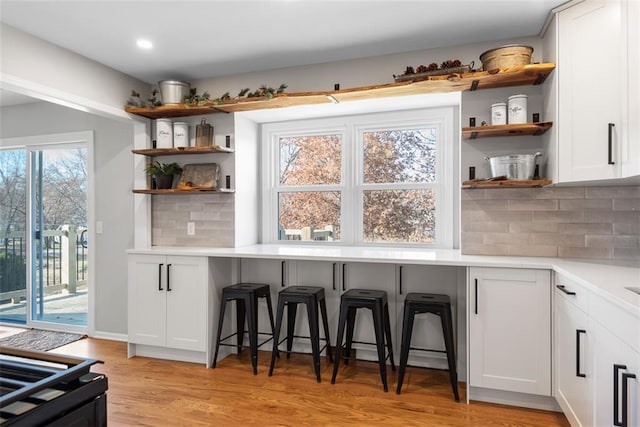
pixel 571 222
pixel 213 215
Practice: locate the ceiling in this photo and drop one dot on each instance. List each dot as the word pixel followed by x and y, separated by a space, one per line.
pixel 199 39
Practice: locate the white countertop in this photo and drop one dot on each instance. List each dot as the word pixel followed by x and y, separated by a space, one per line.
pixel 601 276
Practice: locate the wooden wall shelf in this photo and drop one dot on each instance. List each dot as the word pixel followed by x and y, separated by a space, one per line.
pixel 174 191
pixel 178 151
pixel 485 183
pixel 532 74
pixel 533 129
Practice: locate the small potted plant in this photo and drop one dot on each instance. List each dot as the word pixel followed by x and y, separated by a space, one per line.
pixel 163 173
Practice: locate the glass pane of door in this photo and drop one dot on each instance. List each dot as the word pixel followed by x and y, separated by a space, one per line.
pixel 59 230
pixel 13 243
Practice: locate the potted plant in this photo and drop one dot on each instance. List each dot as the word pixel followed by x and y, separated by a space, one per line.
pixel 163 173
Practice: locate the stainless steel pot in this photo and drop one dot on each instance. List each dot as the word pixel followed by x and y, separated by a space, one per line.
pixel 517 167
pixel 173 91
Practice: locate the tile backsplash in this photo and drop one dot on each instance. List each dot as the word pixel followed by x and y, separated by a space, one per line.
pixel 212 215
pixel 568 222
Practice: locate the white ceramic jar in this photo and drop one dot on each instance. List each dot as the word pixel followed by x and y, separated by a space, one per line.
pixel 517 107
pixel 180 134
pixel 164 133
pixel 499 113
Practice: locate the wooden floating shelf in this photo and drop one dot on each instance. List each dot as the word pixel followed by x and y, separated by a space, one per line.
pixel 174 191
pixel 531 74
pixel 533 129
pixel 506 183
pixel 186 150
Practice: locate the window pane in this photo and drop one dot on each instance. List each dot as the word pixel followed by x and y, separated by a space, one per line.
pixel 397 156
pixel 309 215
pixel 310 160
pixel 399 216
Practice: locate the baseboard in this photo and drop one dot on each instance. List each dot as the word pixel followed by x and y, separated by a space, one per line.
pixel 109 336
pixel 525 400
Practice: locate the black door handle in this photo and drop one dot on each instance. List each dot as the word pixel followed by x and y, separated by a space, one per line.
pixel 578 332
pixel 160 277
pixel 476 296
pixel 610 160
pixel 168 278
pixel 333 282
pixel 625 399
pixel 344 286
pixel 400 280
pixel 563 289
pixel 282 265
pixel 616 394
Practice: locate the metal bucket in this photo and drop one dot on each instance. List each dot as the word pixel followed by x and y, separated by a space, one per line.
pixel 518 167
pixel 173 91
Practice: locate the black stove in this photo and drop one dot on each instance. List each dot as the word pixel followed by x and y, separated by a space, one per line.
pixel 48 389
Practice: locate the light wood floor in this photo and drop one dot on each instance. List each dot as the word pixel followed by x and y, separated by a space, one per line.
pixel 150 392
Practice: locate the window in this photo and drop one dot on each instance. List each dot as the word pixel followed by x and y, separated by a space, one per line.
pixel 379 179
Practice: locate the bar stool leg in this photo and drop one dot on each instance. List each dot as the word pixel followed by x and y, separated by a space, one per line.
pixel 220 320
pixel 252 321
pixel 341 323
pixel 292 309
pixel 407 330
pixel 241 311
pixel 447 332
pixel 325 325
pixel 270 308
pixel 351 321
pixel 276 335
pixel 314 332
pixel 387 327
pixel 378 324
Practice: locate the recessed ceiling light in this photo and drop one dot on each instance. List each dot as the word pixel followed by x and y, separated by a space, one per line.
pixel 144 44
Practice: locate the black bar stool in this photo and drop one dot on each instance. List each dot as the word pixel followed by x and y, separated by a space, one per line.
pixel 313 297
pixel 376 301
pixel 246 297
pixel 440 305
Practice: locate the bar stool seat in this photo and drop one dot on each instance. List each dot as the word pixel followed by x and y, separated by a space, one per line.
pixel 377 302
pixel 313 297
pixel 246 296
pixel 440 305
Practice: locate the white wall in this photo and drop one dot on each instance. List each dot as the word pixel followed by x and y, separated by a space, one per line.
pixel 113 196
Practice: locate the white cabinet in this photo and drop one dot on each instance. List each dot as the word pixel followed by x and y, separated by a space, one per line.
pixel 594 106
pixel 617 381
pixel 574 351
pixel 168 299
pixel 510 330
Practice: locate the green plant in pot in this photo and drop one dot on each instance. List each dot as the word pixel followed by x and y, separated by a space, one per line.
pixel 163 173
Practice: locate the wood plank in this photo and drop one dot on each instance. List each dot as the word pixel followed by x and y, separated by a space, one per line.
pixel 152 392
pixel 484 183
pixel 178 191
pixel 524 129
pixel 182 150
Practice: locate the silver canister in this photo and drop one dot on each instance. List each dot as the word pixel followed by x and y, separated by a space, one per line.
pixel 204 134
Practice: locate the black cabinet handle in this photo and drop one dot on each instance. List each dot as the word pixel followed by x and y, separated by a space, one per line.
pixel 476 296
pixel 344 282
pixel 625 399
pixel 400 280
pixel 160 277
pixel 282 265
pixel 611 162
pixel 563 289
pixel 616 389
pixel 334 276
pixel 168 277
pixel 578 332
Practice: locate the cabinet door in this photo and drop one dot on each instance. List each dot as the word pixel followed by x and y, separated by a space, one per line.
pixel 510 330
pixel 147 299
pixel 324 274
pixel 574 343
pixel 591 64
pixel 611 352
pixel 187 302
pixel 427 327
pixel 370 276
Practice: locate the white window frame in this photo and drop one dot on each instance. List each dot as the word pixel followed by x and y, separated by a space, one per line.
pixel 352 185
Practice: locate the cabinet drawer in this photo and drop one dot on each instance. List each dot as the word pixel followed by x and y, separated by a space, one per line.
pixel 574 292
pixel 621 323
